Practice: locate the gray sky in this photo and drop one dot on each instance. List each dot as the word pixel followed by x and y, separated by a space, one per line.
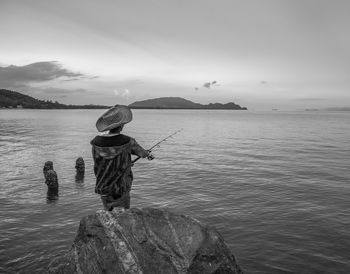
pixel 262 54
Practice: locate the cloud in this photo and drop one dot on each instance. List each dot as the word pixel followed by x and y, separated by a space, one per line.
pixel 310 99
pixel 61 91
pixel 70 80
pixel 123 96
pixel 122 93
pixel 208 85
pixel 52 93
pixel 14 76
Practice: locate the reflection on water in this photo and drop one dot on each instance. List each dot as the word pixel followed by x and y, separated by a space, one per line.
pixel 52 196
pixel 276 185
pixel 79 180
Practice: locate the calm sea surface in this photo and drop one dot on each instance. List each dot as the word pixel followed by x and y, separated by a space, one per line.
pixel 275 184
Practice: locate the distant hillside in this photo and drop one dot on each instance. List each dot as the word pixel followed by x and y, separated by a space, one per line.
pixel 13 99
pixel 338 109
pixel 181 103
pixel 329 109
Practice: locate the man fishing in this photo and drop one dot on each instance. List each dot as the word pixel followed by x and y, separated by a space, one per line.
pixel 112 158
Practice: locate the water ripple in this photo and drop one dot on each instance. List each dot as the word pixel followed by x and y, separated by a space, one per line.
pixel 275 188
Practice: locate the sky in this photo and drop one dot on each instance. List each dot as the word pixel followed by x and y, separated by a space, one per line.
pixel 271 54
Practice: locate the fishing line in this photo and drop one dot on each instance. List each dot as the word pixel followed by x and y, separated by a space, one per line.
pixel 158 144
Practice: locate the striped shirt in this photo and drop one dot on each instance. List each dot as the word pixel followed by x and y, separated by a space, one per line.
pixel 112 163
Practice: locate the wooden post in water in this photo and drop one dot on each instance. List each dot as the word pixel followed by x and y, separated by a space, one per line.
pixel 52 185
pixel 80 168
pixel 48 166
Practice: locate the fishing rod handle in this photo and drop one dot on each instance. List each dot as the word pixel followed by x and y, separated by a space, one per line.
pixel 135 160
pixel 138 157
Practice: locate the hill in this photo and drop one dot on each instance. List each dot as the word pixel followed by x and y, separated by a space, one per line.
pixel 13 99
pixel 338 109
pixel 181 103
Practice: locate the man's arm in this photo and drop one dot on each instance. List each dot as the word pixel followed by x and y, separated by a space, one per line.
pixel 138 150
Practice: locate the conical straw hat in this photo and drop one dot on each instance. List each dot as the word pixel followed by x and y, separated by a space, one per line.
pixel 114 117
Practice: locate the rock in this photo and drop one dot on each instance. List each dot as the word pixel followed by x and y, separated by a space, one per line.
pixel 147 241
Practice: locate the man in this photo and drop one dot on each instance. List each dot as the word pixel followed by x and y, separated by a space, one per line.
pixel 112 158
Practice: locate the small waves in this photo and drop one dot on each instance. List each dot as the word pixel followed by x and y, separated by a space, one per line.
pixel 275 188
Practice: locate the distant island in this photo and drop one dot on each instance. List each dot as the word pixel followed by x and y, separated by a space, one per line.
pixel 13 99
pixel 180 103
pixel 329 109
pixel 338 109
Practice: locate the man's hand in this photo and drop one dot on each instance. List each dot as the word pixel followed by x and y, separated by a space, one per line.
pixel 150 156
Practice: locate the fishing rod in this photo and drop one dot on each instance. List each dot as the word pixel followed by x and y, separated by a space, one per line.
pixel 157 144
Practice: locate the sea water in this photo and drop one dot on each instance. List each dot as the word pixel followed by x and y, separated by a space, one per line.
pixel 276 185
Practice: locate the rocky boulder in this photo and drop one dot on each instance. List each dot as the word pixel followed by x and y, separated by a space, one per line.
pixel 147 241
